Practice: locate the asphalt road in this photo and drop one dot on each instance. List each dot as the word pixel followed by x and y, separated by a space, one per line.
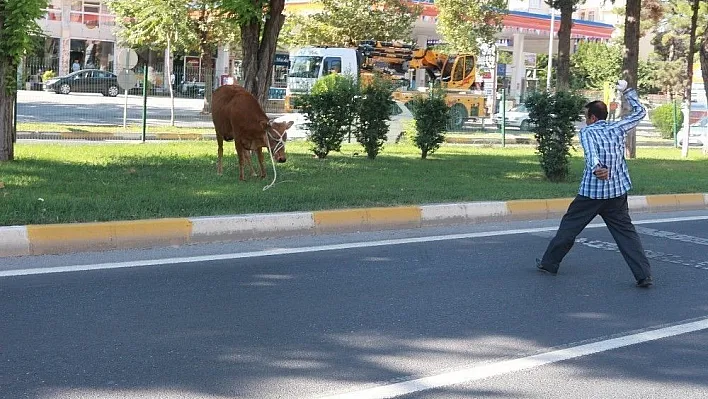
pixel 95 109
pixel 317 316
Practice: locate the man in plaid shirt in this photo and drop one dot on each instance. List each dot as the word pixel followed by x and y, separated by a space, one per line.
pixel 603 190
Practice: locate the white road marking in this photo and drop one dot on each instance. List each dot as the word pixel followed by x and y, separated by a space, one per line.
pixel 660 256
pixel 298 250
pixel 670 235
pixel 475 373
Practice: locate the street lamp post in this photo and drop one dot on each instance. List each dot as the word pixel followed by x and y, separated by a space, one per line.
pixel 550 50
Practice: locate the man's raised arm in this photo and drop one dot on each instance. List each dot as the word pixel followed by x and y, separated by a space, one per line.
pixel 638 111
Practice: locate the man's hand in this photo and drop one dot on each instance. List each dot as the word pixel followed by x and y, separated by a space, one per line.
pixel 601 172
pixel 621 85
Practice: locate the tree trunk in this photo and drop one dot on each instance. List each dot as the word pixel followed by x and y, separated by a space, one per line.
pixel 566 24
pixel 691 50
pixel 170 72
pixel 258 53
pixel 703 56
pixel 208 72
pixel 7 111
pixel 250 43
pixel 630 64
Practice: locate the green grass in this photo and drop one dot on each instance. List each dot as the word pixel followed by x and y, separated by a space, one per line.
pixel 59 183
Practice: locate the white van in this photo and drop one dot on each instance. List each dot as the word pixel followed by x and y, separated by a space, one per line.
pixel 311 63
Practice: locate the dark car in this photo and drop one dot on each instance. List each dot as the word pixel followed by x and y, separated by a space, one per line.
pixel 85 81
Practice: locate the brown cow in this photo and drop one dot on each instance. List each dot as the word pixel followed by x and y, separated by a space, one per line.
pixel 237 116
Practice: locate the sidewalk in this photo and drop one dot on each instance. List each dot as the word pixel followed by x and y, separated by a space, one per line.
pixel 83 237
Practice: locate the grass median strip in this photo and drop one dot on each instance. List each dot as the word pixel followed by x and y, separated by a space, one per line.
pixel 62 183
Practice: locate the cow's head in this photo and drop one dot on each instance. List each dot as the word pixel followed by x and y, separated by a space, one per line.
pixel 277 136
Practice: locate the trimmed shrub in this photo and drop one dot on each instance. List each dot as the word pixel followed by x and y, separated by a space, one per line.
pixel 663 119
pixel 48 75
pixel 328 108
pixel 553 116
pixel 373 112
pixel 431 115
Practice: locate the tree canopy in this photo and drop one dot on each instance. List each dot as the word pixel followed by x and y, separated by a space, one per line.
pixel 345 22
pixel 465 24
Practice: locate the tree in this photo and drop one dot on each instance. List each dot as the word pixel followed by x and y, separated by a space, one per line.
pixel 260 22
pixel 566 8
pixel 431 114
pixel 670 77
pixel 630 63
pixel 689 70
pixel 18 26
pixel 594 63
pixel 344 22
pixel 374 111
pixel 553 116
pixel 328 108
pixel 191 25
pixel 465 24
pixel 158 25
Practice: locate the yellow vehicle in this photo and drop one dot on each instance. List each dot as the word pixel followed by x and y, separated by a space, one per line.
pixel 456 73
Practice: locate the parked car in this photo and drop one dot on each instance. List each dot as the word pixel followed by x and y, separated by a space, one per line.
pixel 515 117
pixel 699 133
pixel 85 81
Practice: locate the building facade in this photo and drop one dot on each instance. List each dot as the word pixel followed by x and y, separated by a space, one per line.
pixel 78 31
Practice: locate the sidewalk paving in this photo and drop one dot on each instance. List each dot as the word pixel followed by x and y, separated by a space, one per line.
pixel 84 237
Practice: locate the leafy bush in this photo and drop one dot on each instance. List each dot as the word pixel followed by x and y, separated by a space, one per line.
pixel 373 112
pixel 663 119
pixel 48 75
pixel 330 111
pixel 431 115
pixel 554 116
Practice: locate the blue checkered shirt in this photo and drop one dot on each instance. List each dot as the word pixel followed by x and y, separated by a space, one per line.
pixel 603 143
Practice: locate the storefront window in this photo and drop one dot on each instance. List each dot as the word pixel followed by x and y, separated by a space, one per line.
pixel 92 54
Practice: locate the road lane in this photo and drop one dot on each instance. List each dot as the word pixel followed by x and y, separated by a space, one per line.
pixel 318 323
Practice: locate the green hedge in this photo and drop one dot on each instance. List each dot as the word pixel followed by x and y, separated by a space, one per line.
pixel 663 119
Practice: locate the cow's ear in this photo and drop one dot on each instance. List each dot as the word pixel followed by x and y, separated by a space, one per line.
pixel 289 125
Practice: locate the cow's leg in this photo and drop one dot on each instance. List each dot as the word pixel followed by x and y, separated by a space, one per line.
pixel 241 153
pixel 259 151
pixel 250 163
pixel 220 153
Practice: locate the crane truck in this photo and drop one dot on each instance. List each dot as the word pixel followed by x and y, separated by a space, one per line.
pixel 456 73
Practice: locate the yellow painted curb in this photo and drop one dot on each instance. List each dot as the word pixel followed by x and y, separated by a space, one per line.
pixel 49 239
pixel 558 205
pixel 364 219
pixel 662 201
pixel 690 201
pixel 527 207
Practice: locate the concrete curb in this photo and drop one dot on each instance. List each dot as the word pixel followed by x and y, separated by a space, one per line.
pixel 81 237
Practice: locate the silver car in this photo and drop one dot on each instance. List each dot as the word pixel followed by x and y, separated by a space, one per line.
pixel 515 117
pixel 699 133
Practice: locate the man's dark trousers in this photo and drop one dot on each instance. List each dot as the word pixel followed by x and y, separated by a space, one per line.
pixel 615 213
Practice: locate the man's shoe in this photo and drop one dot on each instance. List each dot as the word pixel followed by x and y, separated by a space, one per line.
pixel 645 282
pixel 542 269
